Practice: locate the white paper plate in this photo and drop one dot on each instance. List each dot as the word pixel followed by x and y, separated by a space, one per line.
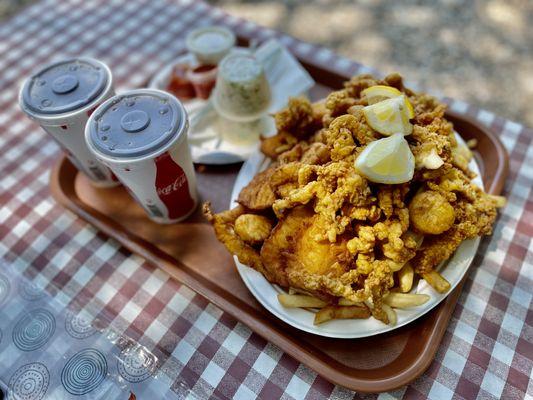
pixel 266 293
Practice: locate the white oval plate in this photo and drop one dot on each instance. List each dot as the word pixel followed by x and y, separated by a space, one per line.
pixel 266 292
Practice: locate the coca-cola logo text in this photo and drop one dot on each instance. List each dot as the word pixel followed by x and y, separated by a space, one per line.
pixel 178 183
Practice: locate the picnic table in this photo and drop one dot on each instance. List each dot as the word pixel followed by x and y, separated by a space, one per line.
pixel 202 352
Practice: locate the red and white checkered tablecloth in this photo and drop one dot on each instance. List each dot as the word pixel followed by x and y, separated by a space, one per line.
pixel 487 350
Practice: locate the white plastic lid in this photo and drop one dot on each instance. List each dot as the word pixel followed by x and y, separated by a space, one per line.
pixel 210 44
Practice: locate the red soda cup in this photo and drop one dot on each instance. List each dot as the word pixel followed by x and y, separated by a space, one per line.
pixel 60 97
pixel 141 136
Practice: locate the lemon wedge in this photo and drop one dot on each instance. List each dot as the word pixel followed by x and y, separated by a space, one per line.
pixel 389 116
pixel 388 160
pixel 375 94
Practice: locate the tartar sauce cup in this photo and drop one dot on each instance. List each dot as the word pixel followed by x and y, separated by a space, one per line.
pixel 242 92
pixel 210 44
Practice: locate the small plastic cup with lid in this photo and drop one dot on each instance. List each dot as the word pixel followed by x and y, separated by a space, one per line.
pixel 203 79
pixel 210 44
pixel 242 92
pixel 179 84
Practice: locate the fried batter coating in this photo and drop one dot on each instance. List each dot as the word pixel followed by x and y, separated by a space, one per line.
pixel 276 247
pixel 332 233
pixel 357 84
pixel 461 156
pixel 316 256
pixel 475 212
pixel 275 145
pixel 223 224
pixel 391 197
pixel 347 132
pixel 298 121
pixel 390 238
pixel 434 138
pixel 298 118
pixel 253 229
pixel 336 184
pixel 431 213
pixel 339 102
pixel 314 153
pixel 258 195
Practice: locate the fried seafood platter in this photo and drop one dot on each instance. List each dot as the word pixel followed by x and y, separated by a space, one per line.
pixel 367 214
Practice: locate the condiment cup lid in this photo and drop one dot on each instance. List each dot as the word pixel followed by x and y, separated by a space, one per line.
pixel 210 44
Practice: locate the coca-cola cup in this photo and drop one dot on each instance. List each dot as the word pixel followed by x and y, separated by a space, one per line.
pixel 60 98
pixel 141 135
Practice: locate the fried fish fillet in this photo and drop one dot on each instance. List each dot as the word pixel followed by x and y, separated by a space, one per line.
pixel 293 246
pixel 258 194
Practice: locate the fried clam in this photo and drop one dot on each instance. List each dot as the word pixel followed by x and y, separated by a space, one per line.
pixel 298 121
pixel 299 118
pixel 328 189
pixel 475 212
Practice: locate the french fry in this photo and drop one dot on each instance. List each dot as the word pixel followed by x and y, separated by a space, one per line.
pixel 391 314
pixel 472 143
pixel 341 312
pixel 325 314
pixel 437 281
pixel 416 236
pixel 405 300
pixel 293 290
pixel 395 266
pixel 405 277
pixel 300 300
pixel 345 302
pixel 499 201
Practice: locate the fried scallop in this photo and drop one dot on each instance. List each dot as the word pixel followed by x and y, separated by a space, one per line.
pixel 431 213
pixel 253 229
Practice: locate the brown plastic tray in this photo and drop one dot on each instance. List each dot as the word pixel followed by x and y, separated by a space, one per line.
pixel 190 253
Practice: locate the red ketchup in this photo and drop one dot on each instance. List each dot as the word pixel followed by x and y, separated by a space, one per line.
pixel 203 79
pixel 179 84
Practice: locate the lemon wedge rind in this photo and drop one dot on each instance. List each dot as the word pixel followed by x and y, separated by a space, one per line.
pixel 377 93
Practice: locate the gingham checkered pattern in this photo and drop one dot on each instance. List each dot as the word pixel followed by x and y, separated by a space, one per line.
pixel 487 350
pixel 53 351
